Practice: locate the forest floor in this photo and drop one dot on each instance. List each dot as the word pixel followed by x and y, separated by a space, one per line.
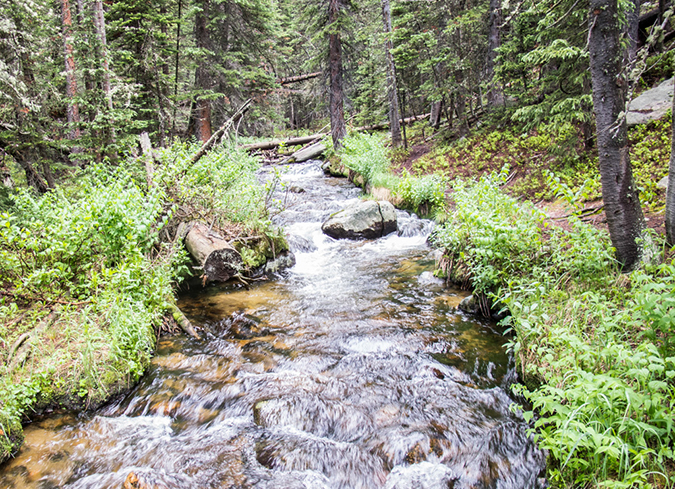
pixel 531 162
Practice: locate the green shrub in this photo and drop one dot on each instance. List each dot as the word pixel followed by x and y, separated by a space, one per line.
pixel 90 253
pixel 366 155
pixel 416 192
pixel 593 346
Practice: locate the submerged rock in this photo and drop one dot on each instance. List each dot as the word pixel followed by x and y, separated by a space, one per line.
pixel 364 220
pixel 468 305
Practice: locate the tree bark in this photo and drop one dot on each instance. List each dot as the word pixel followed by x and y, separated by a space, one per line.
pixel 392 91
pixel 670 191
pixel 99 24
pixel 435 115
pixel 337 113
pixel 73 112
pixel 622 203
pixel 218 259
pixel 175 79
pixel 202 106
pixel 494 96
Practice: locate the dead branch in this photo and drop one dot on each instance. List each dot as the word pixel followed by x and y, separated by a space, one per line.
pixel 182 321
pixel 298 78
pixel 23 347
pixel 218 134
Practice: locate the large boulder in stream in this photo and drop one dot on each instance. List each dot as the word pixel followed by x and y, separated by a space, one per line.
pixel 365 220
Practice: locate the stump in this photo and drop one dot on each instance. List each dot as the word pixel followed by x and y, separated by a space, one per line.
pixel 219 260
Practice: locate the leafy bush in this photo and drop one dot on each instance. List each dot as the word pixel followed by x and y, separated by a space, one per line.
pixel 92 255
pixel 367 155
pixel 592 345
pixel 416 192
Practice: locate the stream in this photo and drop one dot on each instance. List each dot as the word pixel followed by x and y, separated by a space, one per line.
pixel 352 369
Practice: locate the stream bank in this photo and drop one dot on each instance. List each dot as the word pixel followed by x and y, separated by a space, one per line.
pixel 350 369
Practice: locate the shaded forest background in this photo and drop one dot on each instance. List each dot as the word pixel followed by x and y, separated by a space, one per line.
pixel 80 79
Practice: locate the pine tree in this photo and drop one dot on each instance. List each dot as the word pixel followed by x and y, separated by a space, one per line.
pixel 619 193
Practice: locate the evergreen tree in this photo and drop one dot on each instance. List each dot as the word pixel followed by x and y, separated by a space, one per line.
pixel 619 193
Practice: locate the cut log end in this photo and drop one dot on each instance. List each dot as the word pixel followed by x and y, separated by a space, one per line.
pixel 221 265
pixel 219 260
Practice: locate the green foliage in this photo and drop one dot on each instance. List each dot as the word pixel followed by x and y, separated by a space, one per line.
pixel 95 254
pixel 221 184
pixel 418 191
pixel 367 155
pixel 650 153
pixel 543 61
pixel 593 346
pixel 528 155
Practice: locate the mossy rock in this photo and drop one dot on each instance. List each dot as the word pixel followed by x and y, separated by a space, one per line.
pixel 256 253
pixel 11 437
pixel 334 167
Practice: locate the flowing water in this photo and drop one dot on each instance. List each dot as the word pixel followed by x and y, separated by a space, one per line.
pixel 352 369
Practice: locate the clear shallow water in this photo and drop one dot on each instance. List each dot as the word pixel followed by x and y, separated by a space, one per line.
pixel 352 369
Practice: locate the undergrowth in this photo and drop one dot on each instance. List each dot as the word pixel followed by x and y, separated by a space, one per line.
pixel 593 346
pixel 368 156
pixel 553 149
pixel 87 272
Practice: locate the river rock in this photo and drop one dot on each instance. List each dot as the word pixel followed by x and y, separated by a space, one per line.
pixel 468 305
pixel 282 261
pixel 365 220
pixel 651 105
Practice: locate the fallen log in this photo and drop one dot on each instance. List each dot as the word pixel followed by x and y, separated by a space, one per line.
pixel 274 143
pixel 307 153
pixel 384 125
pixel 217 258
pixel 283 142
pixel 295 79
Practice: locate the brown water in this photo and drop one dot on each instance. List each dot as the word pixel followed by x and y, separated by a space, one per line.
pixel 352 369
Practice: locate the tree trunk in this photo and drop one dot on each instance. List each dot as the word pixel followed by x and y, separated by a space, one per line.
pixel 494 96
pixel 202 106
pixel 435 116
pixel 670 191
pixel 218 259
pixel 175 79
pixel 73 112
pixel 337 113
pixel 460 107
pixel 99 24
pixel 620 196
pixel 392 91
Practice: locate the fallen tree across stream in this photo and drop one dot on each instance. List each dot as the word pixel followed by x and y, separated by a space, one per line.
pixel 275 143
